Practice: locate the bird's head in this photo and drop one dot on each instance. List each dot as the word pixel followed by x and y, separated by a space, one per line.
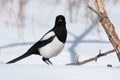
pixel 60 20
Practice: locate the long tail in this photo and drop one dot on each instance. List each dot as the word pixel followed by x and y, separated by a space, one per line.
pixel 19 58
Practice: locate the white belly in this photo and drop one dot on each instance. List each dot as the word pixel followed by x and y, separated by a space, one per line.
pixel 52 49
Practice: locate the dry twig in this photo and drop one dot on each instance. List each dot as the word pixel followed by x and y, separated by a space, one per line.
pixel 93 58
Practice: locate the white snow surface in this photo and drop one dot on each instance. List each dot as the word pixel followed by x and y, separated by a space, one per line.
pixel 83 41
pixel 36 72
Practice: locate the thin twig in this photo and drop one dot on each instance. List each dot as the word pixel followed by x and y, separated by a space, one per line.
pixel 92 59
pixel 95 11
pixel 101 16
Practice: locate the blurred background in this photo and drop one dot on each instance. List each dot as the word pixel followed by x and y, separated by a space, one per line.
pixel 23 22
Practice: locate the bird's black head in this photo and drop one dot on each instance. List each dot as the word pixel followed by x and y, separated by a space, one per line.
pixel 60 28
pixel 60 20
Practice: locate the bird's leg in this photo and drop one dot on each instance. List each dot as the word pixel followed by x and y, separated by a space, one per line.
pixel 47 61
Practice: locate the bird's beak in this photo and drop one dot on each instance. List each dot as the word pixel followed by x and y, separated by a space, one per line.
pixel 60 20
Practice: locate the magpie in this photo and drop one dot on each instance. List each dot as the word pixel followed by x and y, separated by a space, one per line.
pixel 51 44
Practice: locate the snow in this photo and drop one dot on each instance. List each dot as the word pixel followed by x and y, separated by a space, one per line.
pixel 36 72
pixel 83 41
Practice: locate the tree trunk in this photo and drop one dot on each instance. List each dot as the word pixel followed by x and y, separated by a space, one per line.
pixel 108 26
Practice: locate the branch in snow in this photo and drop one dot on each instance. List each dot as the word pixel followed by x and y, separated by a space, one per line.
pixel 92 59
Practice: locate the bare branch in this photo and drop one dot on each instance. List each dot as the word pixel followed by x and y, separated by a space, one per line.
pixel 107 25
pixel 101 16
pixel 92 9
pixel 92 59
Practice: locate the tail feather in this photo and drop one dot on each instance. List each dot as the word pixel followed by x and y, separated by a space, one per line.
pixel 19 58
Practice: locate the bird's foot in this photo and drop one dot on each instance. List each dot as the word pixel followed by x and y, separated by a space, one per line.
pixel 47 61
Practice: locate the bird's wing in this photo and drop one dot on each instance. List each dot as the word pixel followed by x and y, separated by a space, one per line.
pixel 48 35
pixel 47 38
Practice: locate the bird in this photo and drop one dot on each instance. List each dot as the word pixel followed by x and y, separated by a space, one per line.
pixel 50 45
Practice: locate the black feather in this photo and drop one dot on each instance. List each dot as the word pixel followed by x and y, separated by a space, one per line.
pixel 33 49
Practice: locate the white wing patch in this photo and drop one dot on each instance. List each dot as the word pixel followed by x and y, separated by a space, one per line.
pixel 48 35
